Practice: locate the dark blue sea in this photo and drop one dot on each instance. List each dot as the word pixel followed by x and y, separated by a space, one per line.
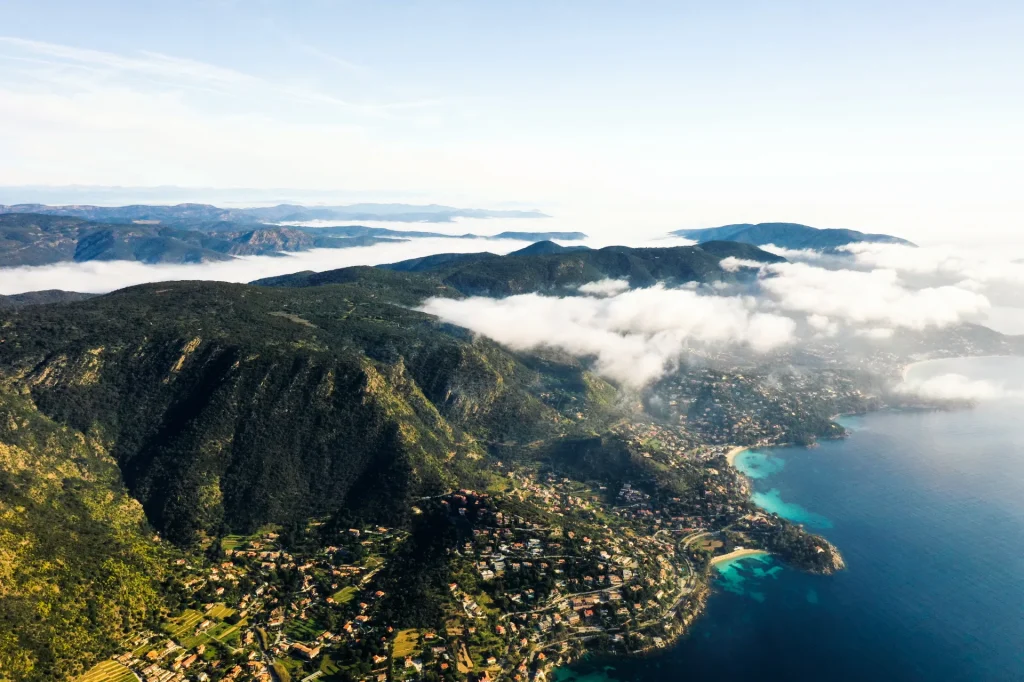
pixel 927 508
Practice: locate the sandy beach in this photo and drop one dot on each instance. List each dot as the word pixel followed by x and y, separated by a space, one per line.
pixel 734 453
pixel 736 554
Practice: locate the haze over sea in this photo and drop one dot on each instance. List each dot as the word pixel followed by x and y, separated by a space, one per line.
pixel 927 507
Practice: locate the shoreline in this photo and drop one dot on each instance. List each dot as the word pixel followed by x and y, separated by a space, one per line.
pixel 734 453
pixel 738 554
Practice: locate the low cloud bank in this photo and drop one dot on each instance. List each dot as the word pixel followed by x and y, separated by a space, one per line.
pixel 105 276
pixel 975 265
pixel 634 336
pixel 605 287
pixel 955 388
pixel 875 298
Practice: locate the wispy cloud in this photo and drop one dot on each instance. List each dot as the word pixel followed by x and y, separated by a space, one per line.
pixel 343 64
pixel 162 69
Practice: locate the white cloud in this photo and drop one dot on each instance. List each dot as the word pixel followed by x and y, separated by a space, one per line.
pixel 634 336
pixel 104 276
pixel 876 333
pixel 822 324
pixel 734 264
pixel 605 287
pixel 955 387
pixel 874 298
pixel 977 266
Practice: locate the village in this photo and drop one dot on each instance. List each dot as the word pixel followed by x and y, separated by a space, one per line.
pixel 552 560
pixel 543 570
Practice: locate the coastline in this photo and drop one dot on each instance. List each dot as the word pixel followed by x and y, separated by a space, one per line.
pixel 737 554
pixel 734 453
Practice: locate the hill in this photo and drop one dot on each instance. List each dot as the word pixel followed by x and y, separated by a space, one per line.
pixel 42 298
pixel 786 235
pixel 34 239
pixel 560 271
pixel 546 247
pixel 40 239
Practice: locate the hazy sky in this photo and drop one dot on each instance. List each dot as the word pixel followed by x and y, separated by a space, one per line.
pixel 905 117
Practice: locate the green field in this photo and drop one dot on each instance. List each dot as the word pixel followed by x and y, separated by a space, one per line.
pixel 108 671
pixel 345 594
pixel 230 542
pixel 406 643
pixel 220 612
pixel 185 624
pixel 302 630
pixel 328 666
pixel 229 634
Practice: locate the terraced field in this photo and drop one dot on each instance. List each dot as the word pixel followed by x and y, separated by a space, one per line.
pixel 185 624
pixel 345 594
pixel 220 612
pixel 108 671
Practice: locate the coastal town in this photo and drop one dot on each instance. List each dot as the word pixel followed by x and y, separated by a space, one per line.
pixel 541 568
pixel 593 543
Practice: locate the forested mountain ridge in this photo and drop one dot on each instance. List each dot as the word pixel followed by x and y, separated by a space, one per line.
pixel 29 239
pixel 491 275
pixel 40 239
pixel 787 235
pixel 198 409
pixel 232 406
pixel 221 408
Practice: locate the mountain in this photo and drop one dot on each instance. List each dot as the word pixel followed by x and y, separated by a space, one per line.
pixel 484 274
pixel 546 247
pixel 192 214
pixel 787 235
pixel 34 239
pixel 231 406
pixel 538 236
pixel 39 239
pixel 42 298
pixel 139 426
pixel 361 230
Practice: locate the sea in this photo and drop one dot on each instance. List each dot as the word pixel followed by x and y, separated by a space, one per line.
pixel 927 508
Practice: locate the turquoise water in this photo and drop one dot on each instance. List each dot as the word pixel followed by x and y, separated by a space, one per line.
pixel 928 510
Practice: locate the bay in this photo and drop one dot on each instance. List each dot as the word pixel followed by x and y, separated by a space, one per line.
pixel 927 508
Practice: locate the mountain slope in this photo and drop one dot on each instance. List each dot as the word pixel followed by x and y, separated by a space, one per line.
pixel 342 398
pixel 31 239
pixel 42 298
pixel 78 570
pixel 786 235
pixel 564 270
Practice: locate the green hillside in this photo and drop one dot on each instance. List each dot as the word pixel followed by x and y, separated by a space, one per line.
pixel 489 275
pixel 78 568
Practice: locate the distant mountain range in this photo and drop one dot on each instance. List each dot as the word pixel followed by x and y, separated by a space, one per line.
pixel 29 239
pixel 194 215
pixel 41 239
pixel 787 236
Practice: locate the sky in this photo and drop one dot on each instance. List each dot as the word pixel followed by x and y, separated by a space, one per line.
pixel 629 117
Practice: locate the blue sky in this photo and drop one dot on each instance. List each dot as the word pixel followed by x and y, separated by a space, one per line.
pixel 899 116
